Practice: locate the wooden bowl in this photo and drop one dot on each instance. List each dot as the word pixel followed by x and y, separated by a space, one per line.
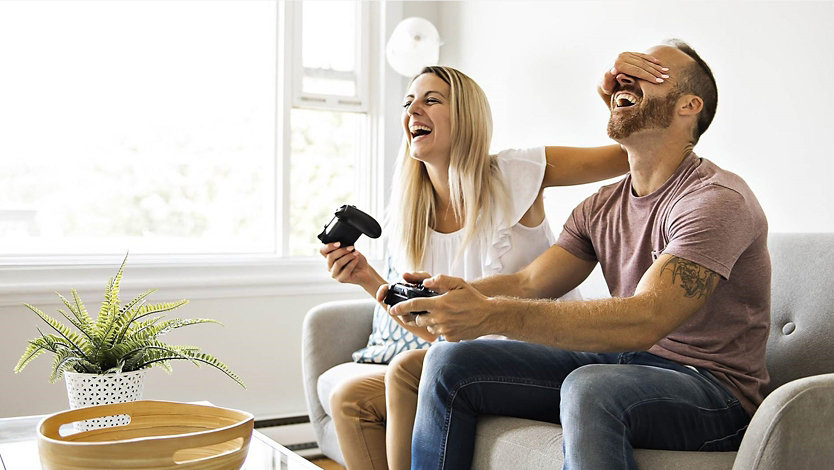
pixel 160 435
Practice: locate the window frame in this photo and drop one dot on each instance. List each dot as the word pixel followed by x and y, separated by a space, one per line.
pixel 301 99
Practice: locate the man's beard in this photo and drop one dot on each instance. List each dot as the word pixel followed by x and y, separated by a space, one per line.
pixel 655 113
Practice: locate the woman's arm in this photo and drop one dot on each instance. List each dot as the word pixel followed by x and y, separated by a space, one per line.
pixel 567 166
pixel 347 265
pixel 573 165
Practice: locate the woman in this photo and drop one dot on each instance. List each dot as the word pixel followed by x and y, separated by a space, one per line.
pixel 456 210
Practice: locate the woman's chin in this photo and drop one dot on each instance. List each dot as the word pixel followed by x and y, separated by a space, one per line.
pixel 417 155
pixel 430 158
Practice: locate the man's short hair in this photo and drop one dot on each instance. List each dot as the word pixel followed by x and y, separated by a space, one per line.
pixel 698 80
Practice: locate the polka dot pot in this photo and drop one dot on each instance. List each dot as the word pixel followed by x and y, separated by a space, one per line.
pixel 102 389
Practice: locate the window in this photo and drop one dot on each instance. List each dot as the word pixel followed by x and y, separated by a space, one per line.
pixel 329 116
pixel 324 149
pixel 180 127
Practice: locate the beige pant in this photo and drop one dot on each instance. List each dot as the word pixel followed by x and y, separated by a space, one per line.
pixel 374 414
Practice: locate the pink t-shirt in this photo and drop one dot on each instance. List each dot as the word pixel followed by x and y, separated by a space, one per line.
pixel 705 215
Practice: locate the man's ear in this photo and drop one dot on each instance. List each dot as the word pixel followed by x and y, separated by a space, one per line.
pixel 690 105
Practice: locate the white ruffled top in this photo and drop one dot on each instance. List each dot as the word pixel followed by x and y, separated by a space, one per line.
pixel 505 248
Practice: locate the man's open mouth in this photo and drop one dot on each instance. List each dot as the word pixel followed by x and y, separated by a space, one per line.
pixel 624 99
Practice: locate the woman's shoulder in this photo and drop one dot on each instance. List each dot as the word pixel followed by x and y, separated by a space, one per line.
pixel 523 172
pixel 522 167
pixel 533 155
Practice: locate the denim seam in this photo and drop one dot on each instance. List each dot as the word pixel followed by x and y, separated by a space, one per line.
pixel 709 378
pixel 734 404
pixel 448 418
pixel 741 430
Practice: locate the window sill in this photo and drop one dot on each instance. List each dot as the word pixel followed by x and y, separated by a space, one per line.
pixel 191 278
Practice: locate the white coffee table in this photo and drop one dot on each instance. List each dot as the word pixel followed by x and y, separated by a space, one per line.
pixel 19 449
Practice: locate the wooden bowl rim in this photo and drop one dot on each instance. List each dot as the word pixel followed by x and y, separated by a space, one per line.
pixel 245 416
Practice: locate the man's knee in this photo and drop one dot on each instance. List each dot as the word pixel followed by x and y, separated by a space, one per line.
pixel 447 365
pixel 447 357
pixel 590 387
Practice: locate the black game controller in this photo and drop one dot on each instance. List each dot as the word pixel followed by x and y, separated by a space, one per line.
pixel 401 291
pixel 347 225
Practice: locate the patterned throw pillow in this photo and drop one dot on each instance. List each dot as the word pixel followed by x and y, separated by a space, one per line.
pixel 387 338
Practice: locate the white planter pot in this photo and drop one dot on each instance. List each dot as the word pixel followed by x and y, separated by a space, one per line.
pixel 103 389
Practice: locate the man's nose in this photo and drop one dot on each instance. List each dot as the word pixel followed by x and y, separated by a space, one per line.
pixel 625 80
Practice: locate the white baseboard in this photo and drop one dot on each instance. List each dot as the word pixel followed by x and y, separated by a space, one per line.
pixel 291 434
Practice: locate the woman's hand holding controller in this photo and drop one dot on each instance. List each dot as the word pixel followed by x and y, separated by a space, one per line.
pixel 347 265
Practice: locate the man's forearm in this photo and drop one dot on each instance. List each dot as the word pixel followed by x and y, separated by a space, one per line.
pixel 606 325
pixel 509 285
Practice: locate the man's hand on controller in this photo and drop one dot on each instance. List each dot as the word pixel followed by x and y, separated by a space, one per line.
pixel 459 313
pixel 412 278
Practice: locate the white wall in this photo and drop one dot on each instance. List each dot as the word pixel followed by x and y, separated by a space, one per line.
pixel 539 63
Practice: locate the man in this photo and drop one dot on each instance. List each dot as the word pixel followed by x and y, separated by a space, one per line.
pixel 675 359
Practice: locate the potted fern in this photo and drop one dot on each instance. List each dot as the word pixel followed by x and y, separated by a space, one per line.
pixel 105 361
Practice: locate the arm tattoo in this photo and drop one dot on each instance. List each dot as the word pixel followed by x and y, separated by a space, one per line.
pixel 695 279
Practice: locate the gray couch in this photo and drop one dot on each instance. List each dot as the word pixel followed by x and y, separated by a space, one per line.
pixel 793 428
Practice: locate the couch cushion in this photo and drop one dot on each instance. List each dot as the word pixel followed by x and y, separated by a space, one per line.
pixel 504 442
pixel 801 341
pixel 338 374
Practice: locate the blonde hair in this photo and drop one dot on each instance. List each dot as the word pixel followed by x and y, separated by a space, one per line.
pixel 477 189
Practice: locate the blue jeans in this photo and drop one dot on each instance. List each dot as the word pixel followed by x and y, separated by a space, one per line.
pixel 607 403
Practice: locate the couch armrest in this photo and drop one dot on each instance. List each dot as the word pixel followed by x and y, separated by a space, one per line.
pixel 791 428
pixel 331 332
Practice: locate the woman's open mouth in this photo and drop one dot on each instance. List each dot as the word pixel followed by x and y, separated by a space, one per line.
pixel 418 131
